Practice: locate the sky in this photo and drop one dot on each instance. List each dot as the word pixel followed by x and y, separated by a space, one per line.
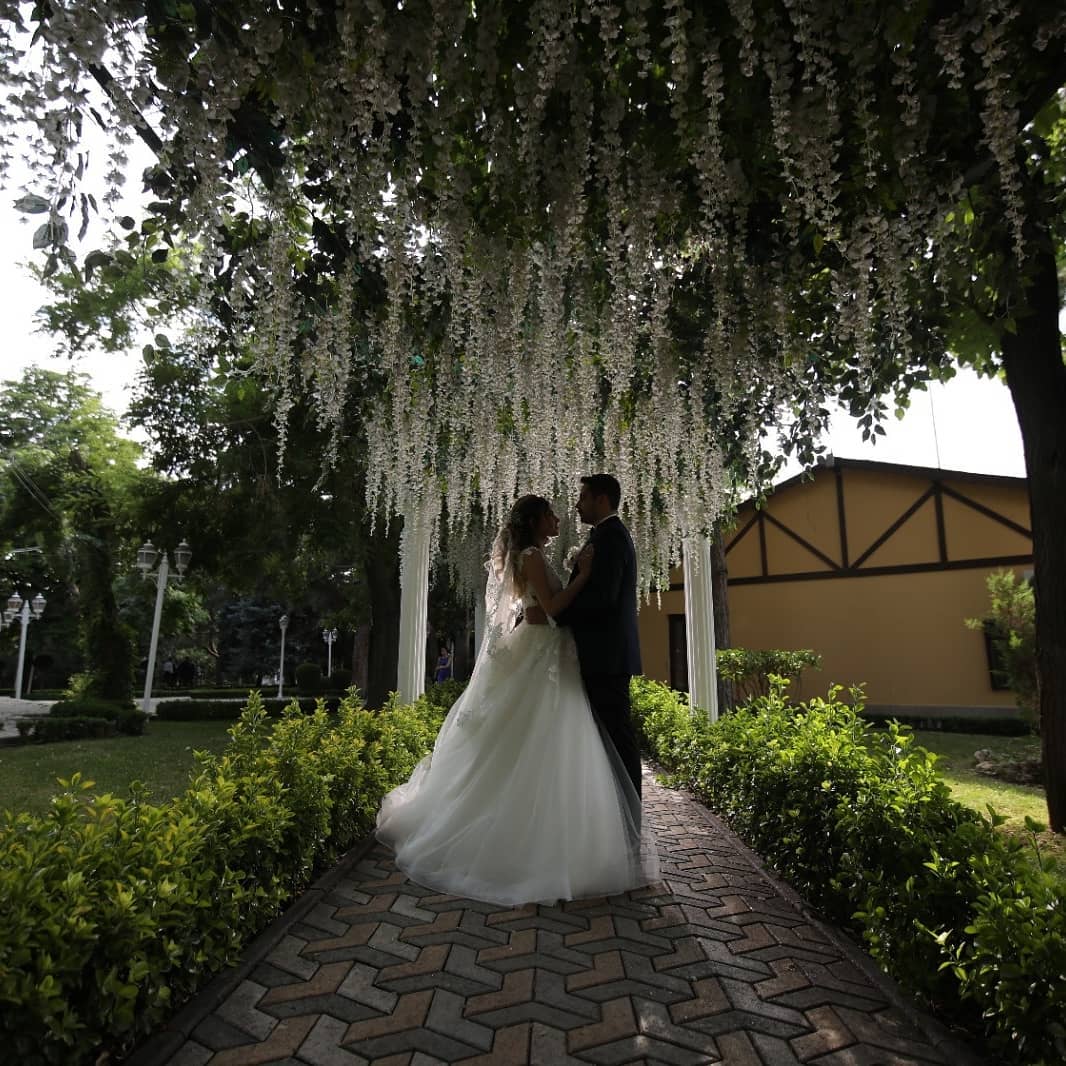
pixel 966 424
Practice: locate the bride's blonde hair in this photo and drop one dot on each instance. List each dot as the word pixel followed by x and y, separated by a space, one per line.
pixel 517 534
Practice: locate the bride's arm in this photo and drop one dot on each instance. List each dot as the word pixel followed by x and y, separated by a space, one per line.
pixel 536 574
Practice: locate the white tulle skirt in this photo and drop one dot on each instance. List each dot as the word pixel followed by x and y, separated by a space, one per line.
pixel 523 798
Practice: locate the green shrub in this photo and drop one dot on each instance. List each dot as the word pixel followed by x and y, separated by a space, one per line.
pixel 309 678
pixel 78 686
pixel 443 694
pixel 115 910
pixel 748 671
pixel 1008 960
pixel 861 822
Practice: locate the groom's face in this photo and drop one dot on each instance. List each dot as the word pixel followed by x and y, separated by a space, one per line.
pixel 589 506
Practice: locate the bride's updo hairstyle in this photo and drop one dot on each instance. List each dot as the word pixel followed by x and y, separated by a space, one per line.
pixel 517 534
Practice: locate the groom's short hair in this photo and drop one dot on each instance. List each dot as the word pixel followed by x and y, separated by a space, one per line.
pixel 604 485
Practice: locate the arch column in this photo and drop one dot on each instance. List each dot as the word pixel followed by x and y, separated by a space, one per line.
pixel 699 626
pixel 414 603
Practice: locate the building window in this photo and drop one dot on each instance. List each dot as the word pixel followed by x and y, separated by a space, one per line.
pixel 997 668
pixel 678 653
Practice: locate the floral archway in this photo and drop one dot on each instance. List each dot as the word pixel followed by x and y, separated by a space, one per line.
pixel 633 235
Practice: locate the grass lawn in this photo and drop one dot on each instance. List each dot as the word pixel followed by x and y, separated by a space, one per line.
pixel 978 791
pixel 162 759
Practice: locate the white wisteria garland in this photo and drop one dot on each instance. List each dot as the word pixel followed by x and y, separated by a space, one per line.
pixel 519 354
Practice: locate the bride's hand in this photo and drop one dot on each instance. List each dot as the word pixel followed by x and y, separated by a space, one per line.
pixel 584 559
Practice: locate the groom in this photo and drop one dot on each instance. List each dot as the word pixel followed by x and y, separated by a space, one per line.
pixel 603 617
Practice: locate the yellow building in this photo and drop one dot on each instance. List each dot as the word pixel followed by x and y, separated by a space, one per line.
pixel 874 566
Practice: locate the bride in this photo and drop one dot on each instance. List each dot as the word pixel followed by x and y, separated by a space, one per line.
pixel 523 799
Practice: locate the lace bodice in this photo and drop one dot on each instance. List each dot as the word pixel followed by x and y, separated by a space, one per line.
pixel 529 597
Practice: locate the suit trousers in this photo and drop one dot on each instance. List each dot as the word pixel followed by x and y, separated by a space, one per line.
pixel 609 696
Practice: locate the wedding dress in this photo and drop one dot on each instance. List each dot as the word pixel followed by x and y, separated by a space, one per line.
pixel 523 798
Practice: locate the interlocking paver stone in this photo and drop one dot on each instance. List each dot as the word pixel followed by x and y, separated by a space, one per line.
pixel 323 1045
pixel 240 1009
pixel 509 1045
pixel 360 986
pixel 715 963
pixel 446 1016
pixel 283 1041
pixel 192 1054
pixel 216 1034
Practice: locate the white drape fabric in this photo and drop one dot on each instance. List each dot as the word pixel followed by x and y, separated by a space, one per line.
pixel 414 603
pixel 699 626
pixel 479 622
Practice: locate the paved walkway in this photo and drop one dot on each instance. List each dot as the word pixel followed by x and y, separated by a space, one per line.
pixel 717 963
pixel 10 709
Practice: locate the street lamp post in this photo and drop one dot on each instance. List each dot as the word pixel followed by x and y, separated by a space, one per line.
pixel 330 637
pixel 283 624
pixel 19 608
pixel 146 557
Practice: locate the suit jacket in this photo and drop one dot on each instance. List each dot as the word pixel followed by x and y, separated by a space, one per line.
pixel 603 616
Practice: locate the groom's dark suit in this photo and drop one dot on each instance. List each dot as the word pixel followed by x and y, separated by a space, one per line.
pixel 603 617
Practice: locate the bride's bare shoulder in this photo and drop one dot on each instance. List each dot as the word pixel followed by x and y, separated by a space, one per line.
pixel 532 562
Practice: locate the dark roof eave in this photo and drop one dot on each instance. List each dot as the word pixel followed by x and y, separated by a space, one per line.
pixel 930 473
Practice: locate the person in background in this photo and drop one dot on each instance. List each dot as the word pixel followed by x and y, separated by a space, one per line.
pixel 444 665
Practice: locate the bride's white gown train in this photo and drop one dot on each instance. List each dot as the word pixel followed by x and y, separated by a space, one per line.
pixel 523 799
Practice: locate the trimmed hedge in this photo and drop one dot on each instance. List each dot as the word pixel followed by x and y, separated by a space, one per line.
pixel 341 680
pixel 90 707
pixel 230 710
pixel 442 695
pixel 953 723
pixel 44 730
pixel 309 678
pixel 238 692
pixel 115 910
pixel 748 670
pixel 82 718
pixel 73 723
pixel 861 821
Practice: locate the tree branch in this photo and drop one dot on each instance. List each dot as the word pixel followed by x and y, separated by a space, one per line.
pixel 119 98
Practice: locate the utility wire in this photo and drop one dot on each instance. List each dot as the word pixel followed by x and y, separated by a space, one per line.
pixel 936 438
pixel 33 490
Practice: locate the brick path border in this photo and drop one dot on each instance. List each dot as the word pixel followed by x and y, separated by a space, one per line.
pixel 721 962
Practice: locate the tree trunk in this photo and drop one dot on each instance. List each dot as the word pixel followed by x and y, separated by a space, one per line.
pixel 462 665
pixel 720 592
pixel 382 561
pixel 360 661
pixel 1032 358
pixel 106 642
